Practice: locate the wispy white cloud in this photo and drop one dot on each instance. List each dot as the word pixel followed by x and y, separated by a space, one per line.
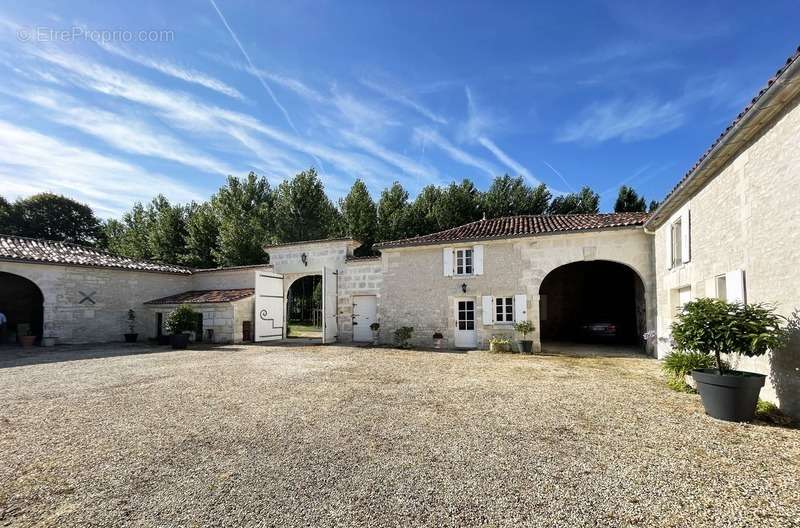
pixel 558 173
pixel 33 162
pixel 424 135
pixel 167 68
pixel 404 163
pixel 394 94
pixel 624 120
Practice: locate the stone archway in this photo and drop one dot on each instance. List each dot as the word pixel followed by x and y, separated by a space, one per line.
pixel 303 296
pixel 22 302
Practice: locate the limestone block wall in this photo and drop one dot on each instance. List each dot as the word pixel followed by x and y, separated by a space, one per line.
pixel 114 292
pixel 746 218
pixel 287 258
pixel 416 293
pixel 357 277
pixel 226 279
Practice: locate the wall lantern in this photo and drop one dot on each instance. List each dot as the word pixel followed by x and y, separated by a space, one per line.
pixel 304 259
pixel 464 287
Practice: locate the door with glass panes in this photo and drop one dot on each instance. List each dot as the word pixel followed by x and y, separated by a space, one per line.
pixel 465 333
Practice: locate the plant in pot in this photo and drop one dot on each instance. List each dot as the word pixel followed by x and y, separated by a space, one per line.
pixel 499 344
pixel 402 336
pixel 437 340
pixel 713 326
pixel 131 336
pixel 27 339
pixel 375 327
pixel 179 322
pixel 524 328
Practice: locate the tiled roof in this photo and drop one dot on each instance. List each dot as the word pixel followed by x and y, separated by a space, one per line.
pixel 205 296
pixel 724 136
pixel 50 252
pixel 520 226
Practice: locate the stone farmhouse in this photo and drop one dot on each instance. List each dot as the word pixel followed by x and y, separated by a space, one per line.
pixel 729 229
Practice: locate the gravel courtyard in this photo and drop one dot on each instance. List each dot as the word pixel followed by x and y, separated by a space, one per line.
pixel 323 436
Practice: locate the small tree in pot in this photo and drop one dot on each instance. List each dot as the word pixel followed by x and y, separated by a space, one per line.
pixel 131 336
pixel 376 328
pixel 179 322
pixel 524 328
pixel 712 326
pixel 437 340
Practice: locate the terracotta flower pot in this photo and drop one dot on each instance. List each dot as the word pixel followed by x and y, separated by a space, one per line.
pixel 27 341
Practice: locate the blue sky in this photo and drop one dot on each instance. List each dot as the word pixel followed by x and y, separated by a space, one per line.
pixel 565 93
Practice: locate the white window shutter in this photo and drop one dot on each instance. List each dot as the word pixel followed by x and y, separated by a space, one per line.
pixel 520 308
pixel 686 231
pixel 668 237
pixel 487 302
pixel 447 259
pixel 477 260
pixel 735 287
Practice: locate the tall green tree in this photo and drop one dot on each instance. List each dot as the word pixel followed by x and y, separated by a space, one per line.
pixel 459 204
pixel 629 201
pixel 653 206
pixel 243 208
pixel 55 217
pixel 394 214
pixel 423 211
pixel 129 237
pixel 360 214
pixel 584 201
pixel 202 236
pixel 167 234
pixel 508 196
pixel 303 211
pixel 6 226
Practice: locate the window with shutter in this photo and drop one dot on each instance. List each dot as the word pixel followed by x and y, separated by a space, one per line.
pixel 504 310
pixel 464 261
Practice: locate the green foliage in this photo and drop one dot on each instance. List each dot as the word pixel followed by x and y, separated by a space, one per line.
pixel 459 204
pixel 202 236
pixel 680 363
pixel 243 208
pixel 394 214
pixel 653 206
pixel 712 326
pixel 303 211
pixel 424 218
pixel 402 335
pixel 131 320
pixel 359 214
pixel 181 319
pixel 509 196
pixel 679 385
pixel 585 201
pixel 769 412
pixel 629 201
pixel 375 327
pixel 524 328
pixel 52 217
pixel 166 236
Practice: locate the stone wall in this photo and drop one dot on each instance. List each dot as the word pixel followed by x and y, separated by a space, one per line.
pixel 357 277
pixel 416 293
pixel 746 218
pixel 231 278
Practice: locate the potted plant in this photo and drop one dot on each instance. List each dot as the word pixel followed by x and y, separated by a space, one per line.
pixel 402 335
pixel 437 340
pixel 524 328
pixel 713 326
pixel 131 336
pixel 27 339
pixel 179 322
pixel 375 327
pixel 499 344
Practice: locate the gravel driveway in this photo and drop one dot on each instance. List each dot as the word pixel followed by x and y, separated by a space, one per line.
pixel 321 436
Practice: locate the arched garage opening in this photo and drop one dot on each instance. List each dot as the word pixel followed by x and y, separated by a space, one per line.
pixel 593 301
pixel 22 303
pixel 304 307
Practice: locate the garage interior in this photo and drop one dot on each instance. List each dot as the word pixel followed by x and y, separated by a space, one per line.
pixel 590 293
pixel 23 305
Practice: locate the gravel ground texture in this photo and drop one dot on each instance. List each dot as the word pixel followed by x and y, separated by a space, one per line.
pixel 341 436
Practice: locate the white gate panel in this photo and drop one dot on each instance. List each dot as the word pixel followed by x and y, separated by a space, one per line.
pixel 330 326
pixel 365 312
pixel 269 307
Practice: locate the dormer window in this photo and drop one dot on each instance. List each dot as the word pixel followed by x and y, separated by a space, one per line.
pixel 464 261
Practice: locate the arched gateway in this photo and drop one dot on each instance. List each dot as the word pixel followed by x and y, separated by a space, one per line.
pixel 22 302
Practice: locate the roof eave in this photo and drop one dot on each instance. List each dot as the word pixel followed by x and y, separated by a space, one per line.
pixel 786 87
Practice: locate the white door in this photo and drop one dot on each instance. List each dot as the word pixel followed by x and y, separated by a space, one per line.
pixel 330 326
pixel 269 307
pixel 465 334
pixel 365 312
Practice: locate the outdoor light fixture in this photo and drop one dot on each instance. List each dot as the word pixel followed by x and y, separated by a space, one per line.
pixel 464 287
pixel 304 259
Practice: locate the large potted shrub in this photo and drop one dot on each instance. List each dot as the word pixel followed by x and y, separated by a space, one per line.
pixel 131 336
pixel 499 344
pixel 402 336
pixel 179 323
pixel 524 328
pixel 712 326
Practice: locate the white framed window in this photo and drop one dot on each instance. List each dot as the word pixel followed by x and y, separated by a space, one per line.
pixel 721 287
pixel 676 239
pixel 504 309
pixel 464 261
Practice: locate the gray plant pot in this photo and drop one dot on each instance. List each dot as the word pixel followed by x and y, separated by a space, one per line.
pixel 525 346
pixel 731 396
pixel 179 341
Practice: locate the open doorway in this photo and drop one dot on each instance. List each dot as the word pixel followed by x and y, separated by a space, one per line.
pixel 592 302
pixel 22 304
pixel 304 308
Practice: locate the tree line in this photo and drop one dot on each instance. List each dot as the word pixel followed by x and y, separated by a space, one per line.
pixel 231 228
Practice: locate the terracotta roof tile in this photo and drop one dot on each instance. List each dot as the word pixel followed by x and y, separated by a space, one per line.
pixel 50 252
pixel 520 226
pixel 205 296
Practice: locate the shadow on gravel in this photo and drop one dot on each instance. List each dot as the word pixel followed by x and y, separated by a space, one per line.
pixel 13 356
pixel 591 350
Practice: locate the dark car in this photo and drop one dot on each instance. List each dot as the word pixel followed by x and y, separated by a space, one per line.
pixel 599 330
